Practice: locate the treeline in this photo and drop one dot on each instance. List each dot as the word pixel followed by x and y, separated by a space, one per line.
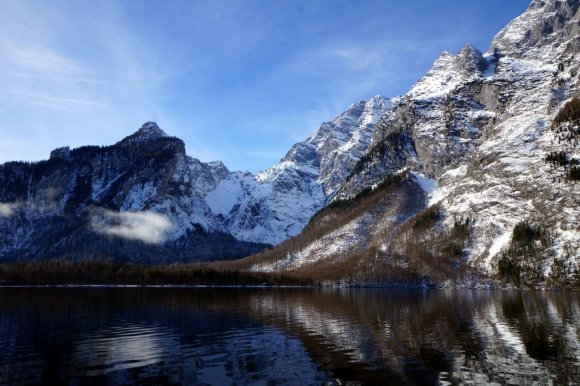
pixel 60 272
pixel 566 126
pixel 570 112
pixel 389 181
pixel 522 261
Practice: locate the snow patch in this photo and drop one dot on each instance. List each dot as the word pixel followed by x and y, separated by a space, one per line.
pixel 223 198
pixel 497 245
pixel 430 187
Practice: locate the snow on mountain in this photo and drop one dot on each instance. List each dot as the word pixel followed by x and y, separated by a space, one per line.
pixel 448 72
pixel 547 26
pixel 433 126
pixel 430 188
pixel 507 179
pixel 277 203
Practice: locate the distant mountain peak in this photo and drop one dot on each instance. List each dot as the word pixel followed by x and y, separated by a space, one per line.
pixel 149 131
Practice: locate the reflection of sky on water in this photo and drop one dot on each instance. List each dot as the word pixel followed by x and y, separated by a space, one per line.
pixel 255 355
pixel 254 337
pixel 122 347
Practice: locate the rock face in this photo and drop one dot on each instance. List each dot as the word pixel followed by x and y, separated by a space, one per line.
pixel 433 126
pixel 506 180
pixel 478 133
pixel 546 25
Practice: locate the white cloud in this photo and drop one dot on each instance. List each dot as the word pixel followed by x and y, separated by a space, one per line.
pixel 7 209
pixel 57 102
pixel 146 226
pixel 40 61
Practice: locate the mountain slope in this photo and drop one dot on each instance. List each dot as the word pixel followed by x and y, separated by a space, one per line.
pixel 468 178
pixel 475 134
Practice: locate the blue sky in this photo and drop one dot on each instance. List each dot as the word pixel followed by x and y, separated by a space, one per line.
pixel 237 80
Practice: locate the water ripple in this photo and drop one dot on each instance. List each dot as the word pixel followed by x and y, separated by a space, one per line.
pixel 122 347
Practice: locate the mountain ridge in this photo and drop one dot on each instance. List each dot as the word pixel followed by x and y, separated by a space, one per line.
pixel 146 194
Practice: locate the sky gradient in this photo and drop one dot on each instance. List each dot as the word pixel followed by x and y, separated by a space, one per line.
pixel 239 81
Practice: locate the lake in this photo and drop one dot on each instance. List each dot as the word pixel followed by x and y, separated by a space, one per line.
pixel 268 336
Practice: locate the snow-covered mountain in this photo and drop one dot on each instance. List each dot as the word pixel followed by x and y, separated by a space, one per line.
pixel 481 137
pixel 144 199
pixel 277 203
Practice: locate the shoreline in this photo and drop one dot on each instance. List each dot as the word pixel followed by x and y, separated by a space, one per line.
pixel 267 286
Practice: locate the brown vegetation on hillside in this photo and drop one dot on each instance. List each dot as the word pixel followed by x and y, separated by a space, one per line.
pixel 570 112
pixel 566 126
pixel 431 249
pixel 322 223
pixel 412 251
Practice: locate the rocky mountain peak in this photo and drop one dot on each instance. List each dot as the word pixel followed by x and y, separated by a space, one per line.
pixel 471 60
pixel 447 73
pixel 149 131
pixel 278 202
pixel 544 23
pixel 479 154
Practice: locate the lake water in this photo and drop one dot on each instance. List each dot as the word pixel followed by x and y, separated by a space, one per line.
pixel 188 336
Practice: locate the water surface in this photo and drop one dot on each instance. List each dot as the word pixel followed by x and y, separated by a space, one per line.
pixel 209 336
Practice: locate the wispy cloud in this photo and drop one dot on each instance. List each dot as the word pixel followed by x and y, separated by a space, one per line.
pixel 149 227
pixel 40 61
pixel 40 76
pixel 56 102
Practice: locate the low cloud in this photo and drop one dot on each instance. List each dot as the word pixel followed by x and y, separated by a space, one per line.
pixel 7 209
pixel 148 227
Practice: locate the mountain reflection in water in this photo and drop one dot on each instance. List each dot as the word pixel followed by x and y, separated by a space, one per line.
pixel 174 336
